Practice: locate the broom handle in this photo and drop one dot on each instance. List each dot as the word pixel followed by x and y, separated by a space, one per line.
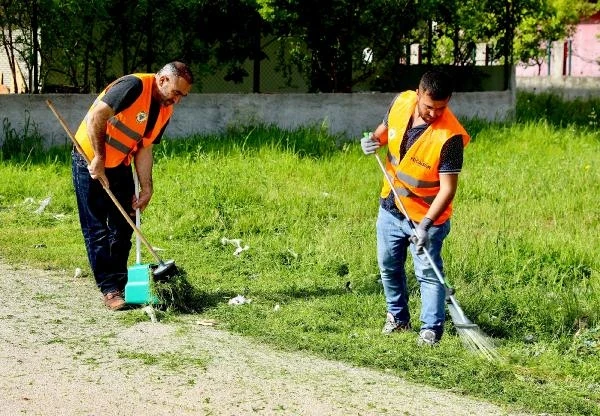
pixel 138 233
pixel 410 222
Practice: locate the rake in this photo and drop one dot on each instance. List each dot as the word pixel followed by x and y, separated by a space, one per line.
pixel 472 337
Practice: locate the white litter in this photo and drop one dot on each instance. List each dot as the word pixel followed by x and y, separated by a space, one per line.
pixel 77 273
pixel 238 300
pixel 276 308
pixel 150 312
pixel 237 243
pixel 43 205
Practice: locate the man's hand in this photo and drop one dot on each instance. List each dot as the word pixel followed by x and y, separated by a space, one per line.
pixel 96 169
pixel 421 236
pixel 143 200
pixel 369 144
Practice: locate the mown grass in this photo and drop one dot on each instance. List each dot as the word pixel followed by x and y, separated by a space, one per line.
pixel 522 252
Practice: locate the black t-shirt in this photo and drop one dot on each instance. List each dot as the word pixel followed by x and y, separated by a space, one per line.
pixel 124 92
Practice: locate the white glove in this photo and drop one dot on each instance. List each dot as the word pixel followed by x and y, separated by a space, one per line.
pixel 369 144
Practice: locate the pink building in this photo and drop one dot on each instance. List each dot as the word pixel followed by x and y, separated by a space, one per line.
pixel 576 57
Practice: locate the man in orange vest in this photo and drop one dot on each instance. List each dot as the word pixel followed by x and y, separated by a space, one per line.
pixel 122 125
pixel 425 145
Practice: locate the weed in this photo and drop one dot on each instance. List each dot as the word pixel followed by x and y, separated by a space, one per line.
pixel 168 361
pixel 21 146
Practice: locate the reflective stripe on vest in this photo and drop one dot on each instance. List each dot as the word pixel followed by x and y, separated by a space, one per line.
pixel 416 176
pixel 409 179
pixel 115 143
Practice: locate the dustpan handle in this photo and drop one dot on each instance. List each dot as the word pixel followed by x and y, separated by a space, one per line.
pixel 138 222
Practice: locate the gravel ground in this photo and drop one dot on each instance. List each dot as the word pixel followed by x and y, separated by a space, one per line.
pixel 63 353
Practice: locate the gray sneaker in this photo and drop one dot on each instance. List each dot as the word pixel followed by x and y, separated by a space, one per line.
pixel 391 325
pixel 427 337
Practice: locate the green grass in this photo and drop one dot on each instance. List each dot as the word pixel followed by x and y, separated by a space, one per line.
pixel 522 253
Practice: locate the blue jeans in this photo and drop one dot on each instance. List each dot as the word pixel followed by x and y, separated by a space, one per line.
pixel 392 243
pixel 106 233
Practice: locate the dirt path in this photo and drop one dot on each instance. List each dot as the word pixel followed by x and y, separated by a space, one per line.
pixel 63 353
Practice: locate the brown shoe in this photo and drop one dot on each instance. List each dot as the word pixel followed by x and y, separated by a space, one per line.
pixel 114 300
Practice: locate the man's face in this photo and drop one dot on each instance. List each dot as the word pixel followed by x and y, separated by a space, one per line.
pixel 429 109
pixel 171 88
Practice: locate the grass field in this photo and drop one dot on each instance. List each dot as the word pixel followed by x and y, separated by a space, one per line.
pixel 522 253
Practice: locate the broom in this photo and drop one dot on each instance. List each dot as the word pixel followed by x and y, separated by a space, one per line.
pixel 472 337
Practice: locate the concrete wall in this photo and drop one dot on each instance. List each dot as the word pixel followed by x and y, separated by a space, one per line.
pixel 567 87
pixel 348 114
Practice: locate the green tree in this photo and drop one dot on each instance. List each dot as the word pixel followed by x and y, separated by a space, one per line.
pixel 108 38
pixel 328 40
pixel 19 21
pixel 554 20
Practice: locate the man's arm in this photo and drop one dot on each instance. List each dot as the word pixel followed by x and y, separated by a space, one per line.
pixel 143 167
pixel 381 134
pixel 448 186
pixel 96 129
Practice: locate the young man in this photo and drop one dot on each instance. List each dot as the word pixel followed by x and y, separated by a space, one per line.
pixel 425 154
pixel 123 123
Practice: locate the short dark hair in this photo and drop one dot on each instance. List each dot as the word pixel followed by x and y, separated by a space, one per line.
pixel 180 69
pixel 437 84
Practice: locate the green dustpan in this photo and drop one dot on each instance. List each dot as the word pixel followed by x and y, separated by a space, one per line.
pixel 138 290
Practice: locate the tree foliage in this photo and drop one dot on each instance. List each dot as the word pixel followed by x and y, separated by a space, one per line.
pixel 335 44
pixel 552 20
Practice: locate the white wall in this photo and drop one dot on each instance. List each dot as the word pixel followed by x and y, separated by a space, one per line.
pixel 348 114
pixel 566 87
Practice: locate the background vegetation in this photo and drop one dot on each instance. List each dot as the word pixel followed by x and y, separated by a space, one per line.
pixel 522 253
pixel 75 46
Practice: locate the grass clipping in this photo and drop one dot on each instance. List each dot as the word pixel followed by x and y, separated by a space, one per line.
pixel 175 294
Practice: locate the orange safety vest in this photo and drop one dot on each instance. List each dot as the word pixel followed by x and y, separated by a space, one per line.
pixel 416 178
pixel 125 130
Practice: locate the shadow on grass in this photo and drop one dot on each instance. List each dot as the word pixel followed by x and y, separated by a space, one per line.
pixel 180 296
pixel 310 141
pixel 558 112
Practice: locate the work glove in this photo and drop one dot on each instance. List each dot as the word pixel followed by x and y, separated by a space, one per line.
pixel 369 144
pixel 421 236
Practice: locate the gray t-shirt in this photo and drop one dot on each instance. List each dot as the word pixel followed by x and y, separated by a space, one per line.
pixel 124 92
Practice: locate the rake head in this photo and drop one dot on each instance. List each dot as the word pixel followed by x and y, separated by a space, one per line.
pixel 472 337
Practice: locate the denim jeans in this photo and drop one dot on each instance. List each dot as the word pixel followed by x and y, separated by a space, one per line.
pixel 106 233
pixel 392 243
